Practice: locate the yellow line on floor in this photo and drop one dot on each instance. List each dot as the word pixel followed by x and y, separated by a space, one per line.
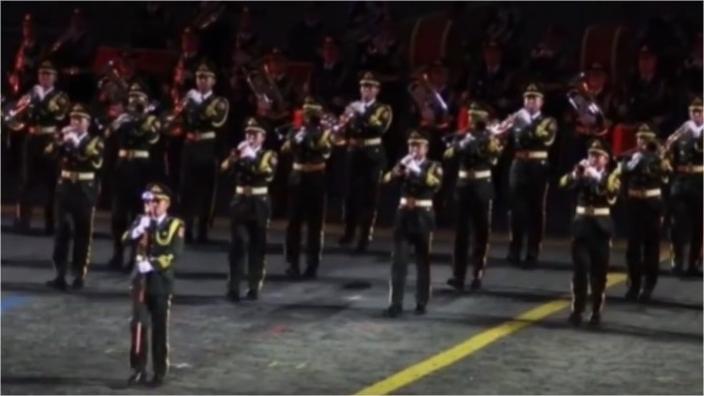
pixel 472 345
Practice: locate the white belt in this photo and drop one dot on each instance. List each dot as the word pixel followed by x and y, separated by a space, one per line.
pixel 592 211
pixel 309 167
pixel 366 142
pixel 249 190
pixel 529 154
pixel 76 176
pixel 690 168
pixel 408 202
pixel 43 130
pixel 465 174
pixel 653 192
pixel 133 154
pixel 203 136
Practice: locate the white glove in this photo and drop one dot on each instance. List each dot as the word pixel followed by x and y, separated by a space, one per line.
pixel 248 152
pixel 634 161
pixel 407 160
pixel 592 173
pixel 413 167
pixel 144 267
pixel 300 135
pixel 194 96
pixel 358 107
pixel 141 227
pixel 466 140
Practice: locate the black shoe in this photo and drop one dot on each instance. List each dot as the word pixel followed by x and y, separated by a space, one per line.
pixel 345 239
pixel 530 263
pixel 252 295
pixel 693 271
pixel 362 246
pixel 293 272
pixel 631 294
pixel 77 284
pixel 310 273
pixel 575 319
pixel 595 319
pixel 513 259
pixel 58 283
pixel 233 296
pixel 156 381
pixel 393 311
pixel 420 309
pixel 202 239
pixel 21 226
pixel 49 229
pixel 677 270
pixel 115 264
pixel 189 236
pixel 456 284
pixel 137 378
pixel 476 284
pixel 645 295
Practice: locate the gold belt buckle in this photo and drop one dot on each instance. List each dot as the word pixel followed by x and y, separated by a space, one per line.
pixel 410 203
pixel 74 177
pixel 247 190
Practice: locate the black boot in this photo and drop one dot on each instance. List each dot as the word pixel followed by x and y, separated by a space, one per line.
pixel 645 295
pixel 393 311
pixel 595 319
pixel 77 283
pixel 293 272
pixel 138 377
pixel 575 318
pixel 58 283
pixel 456 284
pixel 420 309
pixel 252 295
pixel 476 284
pixel 631 294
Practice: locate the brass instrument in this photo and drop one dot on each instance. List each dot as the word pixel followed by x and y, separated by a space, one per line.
pixel 113 75
pixel 681 131
pixel 13 119
pixel 173 117
pixel 584 103
pixel 519 119
pixel 265 89
pixel 425 95
pixel 208 17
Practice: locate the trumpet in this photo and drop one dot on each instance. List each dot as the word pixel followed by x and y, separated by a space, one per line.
pixel 13 117
pixel 499 128
pixel 681 131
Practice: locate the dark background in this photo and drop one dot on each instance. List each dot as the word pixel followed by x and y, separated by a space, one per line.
pixel 111 23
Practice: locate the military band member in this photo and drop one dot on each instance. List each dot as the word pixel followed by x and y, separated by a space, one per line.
pixel 136 131
pixel 420 179
pixel 684 152
pixel 159 240
pixel 80 157
pixel 252 168
pixel 643 173
pixel 477 152
pixel 204 114
pixel 532 133
pixel 48 107
pixel 596 191
pixel 368 120
pixel 310 147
